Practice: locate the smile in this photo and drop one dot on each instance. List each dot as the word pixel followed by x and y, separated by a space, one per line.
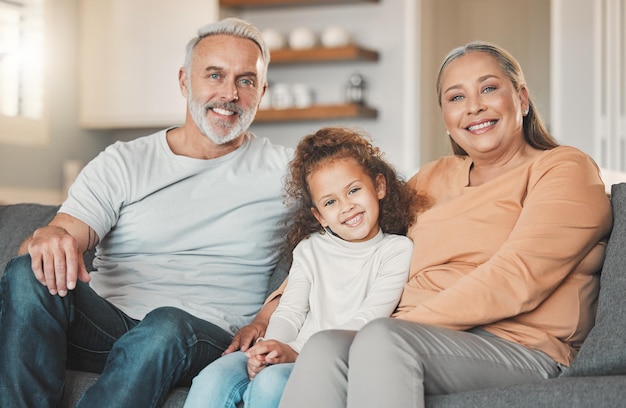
pixel 481 125
pixel 224 112
pixel 354 220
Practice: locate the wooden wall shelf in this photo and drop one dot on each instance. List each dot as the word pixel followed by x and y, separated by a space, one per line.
pixel 316 112
pixel 322 54
pixel 281 3
pixel 350 53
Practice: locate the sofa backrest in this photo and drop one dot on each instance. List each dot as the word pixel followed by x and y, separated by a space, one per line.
pixel 604 352
pixel 17 222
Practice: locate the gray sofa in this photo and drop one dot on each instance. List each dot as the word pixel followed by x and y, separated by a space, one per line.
pixel 596 379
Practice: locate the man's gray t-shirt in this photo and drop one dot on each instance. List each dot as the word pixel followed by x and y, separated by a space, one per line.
pixel 195 234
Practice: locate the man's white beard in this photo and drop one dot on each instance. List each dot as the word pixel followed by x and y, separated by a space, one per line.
pixel 222 131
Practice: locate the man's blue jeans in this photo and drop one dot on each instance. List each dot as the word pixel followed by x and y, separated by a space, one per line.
pixel 140 361
pixel 225 383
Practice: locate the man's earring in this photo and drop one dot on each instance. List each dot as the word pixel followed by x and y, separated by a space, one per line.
pixel 448 132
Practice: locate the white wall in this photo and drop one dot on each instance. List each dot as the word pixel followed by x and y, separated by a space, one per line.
pixel 572 73
pixel 589 78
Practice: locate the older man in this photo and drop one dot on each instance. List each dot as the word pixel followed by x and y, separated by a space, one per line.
pixel 184 222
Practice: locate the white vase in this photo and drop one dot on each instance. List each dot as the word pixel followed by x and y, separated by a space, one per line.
pixel 302 38
pixel 335 36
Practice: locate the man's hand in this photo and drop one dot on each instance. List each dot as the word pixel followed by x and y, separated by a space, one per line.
pixel 56 253
pixel 247 335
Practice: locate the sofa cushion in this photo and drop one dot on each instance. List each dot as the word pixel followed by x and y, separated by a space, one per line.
pixel 603 352
pixel 77 382
pixel 596 392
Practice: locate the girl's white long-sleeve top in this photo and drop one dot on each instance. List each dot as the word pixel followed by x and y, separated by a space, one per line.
pixel 336 284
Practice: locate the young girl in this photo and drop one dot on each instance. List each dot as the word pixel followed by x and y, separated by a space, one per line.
pixel 350 263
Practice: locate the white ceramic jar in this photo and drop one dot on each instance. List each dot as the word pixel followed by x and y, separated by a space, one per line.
pixel 335 36
pixel 302 38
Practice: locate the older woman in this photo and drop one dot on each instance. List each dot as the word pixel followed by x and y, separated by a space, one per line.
pixel 503 281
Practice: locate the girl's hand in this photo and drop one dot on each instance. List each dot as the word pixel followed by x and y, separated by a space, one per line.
pixel 267 352
pixel 255 365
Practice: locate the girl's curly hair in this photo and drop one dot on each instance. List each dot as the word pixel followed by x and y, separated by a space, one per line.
pixel 398 209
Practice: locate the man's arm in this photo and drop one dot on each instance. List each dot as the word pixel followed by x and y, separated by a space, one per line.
pixel 56 252
pixel 247 335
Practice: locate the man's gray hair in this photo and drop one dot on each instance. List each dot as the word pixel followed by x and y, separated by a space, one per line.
pixel 229 26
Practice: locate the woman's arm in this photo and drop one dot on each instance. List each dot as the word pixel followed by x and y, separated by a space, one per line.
pixel 565 214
